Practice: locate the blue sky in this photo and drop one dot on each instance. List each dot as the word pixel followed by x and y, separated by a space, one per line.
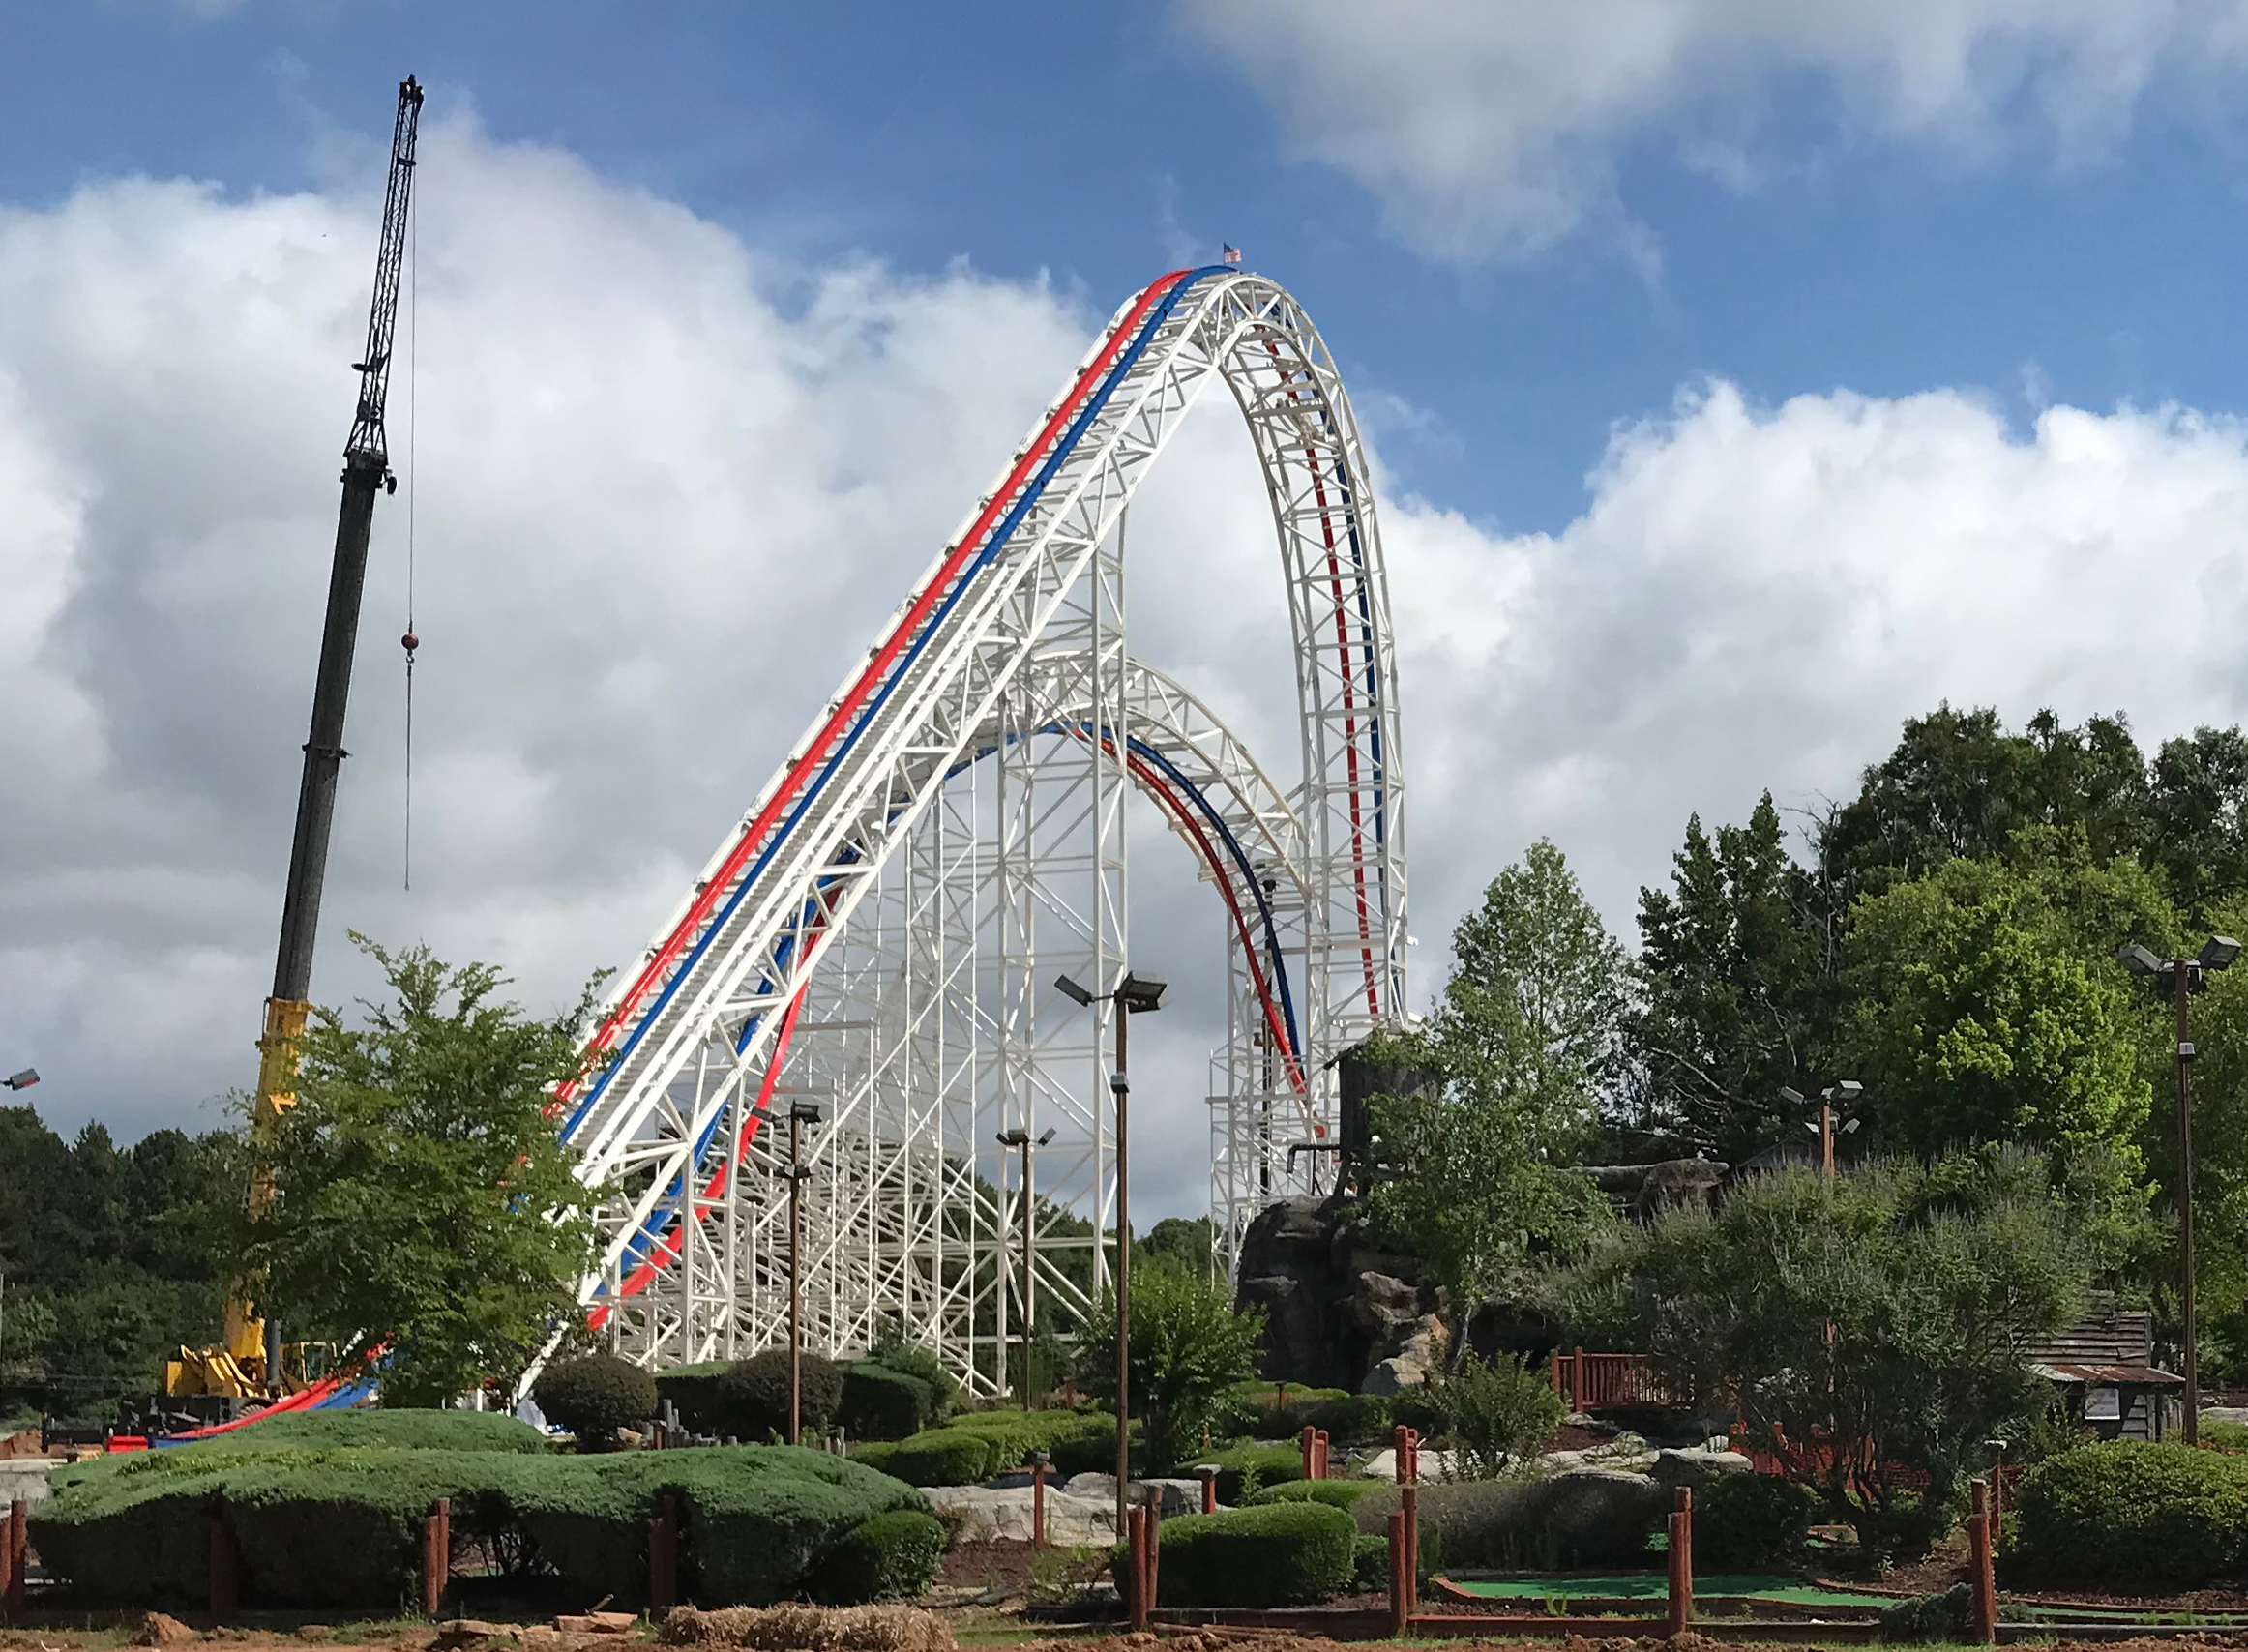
pixel 1102 142
pixel 1744 376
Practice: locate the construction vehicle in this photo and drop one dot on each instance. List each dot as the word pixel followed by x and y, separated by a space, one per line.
pixel 249 1364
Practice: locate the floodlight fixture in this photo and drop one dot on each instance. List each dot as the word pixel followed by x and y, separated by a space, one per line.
pixel 1071 990
pixel 807 1112
pixel 1137 993
pixel 1792 1097
pixel 1045 1136
pixel 2138 960
pixel 22 1080
pixel 1016 1137
pixel 2219 952
pixel 1846 1090
pixel 1119 1086
pixel 1850 1126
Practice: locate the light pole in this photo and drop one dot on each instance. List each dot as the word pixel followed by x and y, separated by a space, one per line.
pixel 2183 975
pixel 1831 1101
pixel 800 1114
pixel 1020 1137
pixel 1133 995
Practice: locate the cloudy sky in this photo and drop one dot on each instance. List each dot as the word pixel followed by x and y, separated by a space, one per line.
pixel 1744 376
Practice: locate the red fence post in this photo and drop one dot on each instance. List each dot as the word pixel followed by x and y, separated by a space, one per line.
pixel 225 1564
pixel 1038 1461
pixel 1577 1382
pixel 436 1554
pixel 1308 1438
pixel 15 1556
pixel 664 1554
pixel 1154 1550
pixel 1135 1582
pixel 1409 1500
pixel 1401 1574
pixel 1984 1622
pixel 1207 1473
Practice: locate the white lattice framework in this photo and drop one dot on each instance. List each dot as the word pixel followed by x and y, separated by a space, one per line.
pixel 882 930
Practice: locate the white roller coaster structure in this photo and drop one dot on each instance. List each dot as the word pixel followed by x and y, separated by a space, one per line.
pixel 882 930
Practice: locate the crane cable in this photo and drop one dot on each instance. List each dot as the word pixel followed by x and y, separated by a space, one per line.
pixel 409 641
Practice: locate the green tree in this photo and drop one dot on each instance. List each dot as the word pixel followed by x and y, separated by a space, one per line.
pixel 1738 970
pixel 2198 825
pixel 1987 1005
pixel 420 1191
pixel 1189 1349
pixel 1187 1242
pixel 1935 1279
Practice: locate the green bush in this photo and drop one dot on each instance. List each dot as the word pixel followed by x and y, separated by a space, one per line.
pixel 1568 1522
pixel 879 1403
pixel 976 1445
pixel 594 1397
pixel 1352 1419
pixel 910 1359
pixel 1926 1619
pixel 693 1393
pixel 2133 1512
pixel 1335 1494
pixel 1370 1566
pixel 893 1555
pixel 1752 1522
pixel 1498 1413
pixel 341 1527
pixel 1282 1556
pixel 2224 1434
pixel 942 1457
pixel 1244 1469
pixel 405 1429
pixel 752 1396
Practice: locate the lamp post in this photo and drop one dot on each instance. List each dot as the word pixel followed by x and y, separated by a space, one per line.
pixel 800 1114
pixel 1833 1100
pixel 2182 976
pixel 1133 995
pixel 1020 1137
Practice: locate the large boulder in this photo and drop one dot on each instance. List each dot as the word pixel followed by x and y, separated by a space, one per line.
pixel 1697 1466
pixel 1336 1302
pixel 982 1513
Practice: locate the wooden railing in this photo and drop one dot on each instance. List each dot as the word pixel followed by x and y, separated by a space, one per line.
pixel 1597 1382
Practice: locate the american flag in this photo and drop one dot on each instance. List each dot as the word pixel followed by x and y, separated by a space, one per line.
pixel 1232 254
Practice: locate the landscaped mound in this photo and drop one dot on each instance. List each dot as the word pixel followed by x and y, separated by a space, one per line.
pixel 2134 1515
pixel 974 1447
pixel 406 1429
pixel 341 1526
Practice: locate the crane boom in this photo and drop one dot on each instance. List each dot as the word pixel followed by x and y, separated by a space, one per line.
pixel 254 1346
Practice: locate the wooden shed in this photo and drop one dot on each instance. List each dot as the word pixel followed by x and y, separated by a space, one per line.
pixel 2104 1366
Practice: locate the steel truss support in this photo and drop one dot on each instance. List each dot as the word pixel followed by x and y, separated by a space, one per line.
pixel 883 932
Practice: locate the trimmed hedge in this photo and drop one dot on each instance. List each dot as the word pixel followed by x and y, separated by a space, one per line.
pixel 1244 1469
pixel 341 1527
pixel 1753 1522
pixel 2134 1513
pixel 888 1557
pixel 1370 1566
pixel 403 1429
pixel 594 1397
pixel 974 1447
pixel 692 1391
pixel 1335 1494
pixel 752 1396
pixel 879 1403
pixel 1285 1554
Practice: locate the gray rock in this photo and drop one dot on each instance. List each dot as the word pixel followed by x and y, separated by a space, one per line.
pixel 984 1514
pixel 25 1477
pixel 1697 1465
pixel 1335 1303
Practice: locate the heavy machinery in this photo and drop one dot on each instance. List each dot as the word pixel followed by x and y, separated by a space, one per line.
pixel 249 1363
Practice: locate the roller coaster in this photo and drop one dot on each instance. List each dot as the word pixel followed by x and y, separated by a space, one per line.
pixel 875 944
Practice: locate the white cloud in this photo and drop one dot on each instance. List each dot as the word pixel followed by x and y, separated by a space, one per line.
pixel 668 486
pixel 1487 127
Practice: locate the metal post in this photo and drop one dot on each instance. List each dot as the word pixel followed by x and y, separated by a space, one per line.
pixel 1123 1090
pixel 2181 978
pixel 1029 1404
pixel 1826 1140
pixel 795 1273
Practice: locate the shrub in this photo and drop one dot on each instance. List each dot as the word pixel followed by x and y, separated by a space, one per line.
pixel 1571 1522
pixel 1335 1494
pixel 341 1527
pixel 893 1352
pixel 1351 1418
pixel 879 1403
pixel 594 1397
pixel 1244 1469
pixel 1282 1556
pixel 752 1396
pixel 1370 1566
pixel 942 1457
pixel 691 1391
pixel 1752 1522
pixel 2133 1512
pixel 403 1429
pixel 893 1555
pixel 1926 1619
pixel 1498 1413
pixel 979 1444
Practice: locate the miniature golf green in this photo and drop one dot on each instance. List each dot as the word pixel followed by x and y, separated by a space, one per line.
pixel 1655 1586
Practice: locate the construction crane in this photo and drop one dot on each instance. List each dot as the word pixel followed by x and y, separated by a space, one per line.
pixel 249 1362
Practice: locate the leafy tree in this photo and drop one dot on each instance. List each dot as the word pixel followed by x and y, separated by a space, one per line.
pixel 2198 817
pixel 1934 1280
pixel 420 1191
pixel 1738 971
pixel 1188 1351
pixel 1190 1243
